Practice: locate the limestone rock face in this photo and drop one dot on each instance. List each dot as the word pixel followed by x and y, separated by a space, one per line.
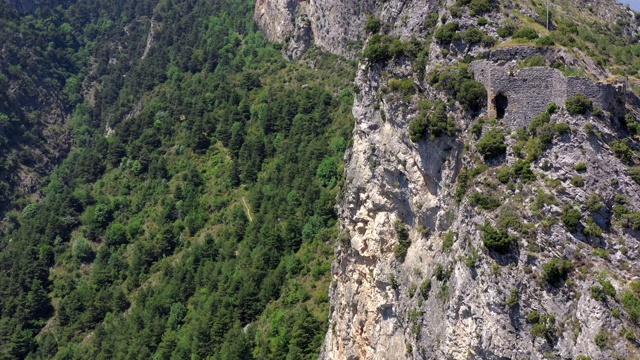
pixel 379 310
pixel 336 26
pixel 413 277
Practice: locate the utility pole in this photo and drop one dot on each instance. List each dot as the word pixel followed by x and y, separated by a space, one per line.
pixel 547 15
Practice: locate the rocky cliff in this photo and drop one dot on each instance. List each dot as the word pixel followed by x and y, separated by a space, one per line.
pixel 507 238
pixel 336 26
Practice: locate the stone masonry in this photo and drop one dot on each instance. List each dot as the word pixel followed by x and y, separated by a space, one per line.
pixel 519 95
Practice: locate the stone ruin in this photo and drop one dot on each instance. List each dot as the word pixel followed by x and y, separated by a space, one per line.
pixel 519 95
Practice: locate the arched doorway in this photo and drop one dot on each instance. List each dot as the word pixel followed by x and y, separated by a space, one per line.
pixel 501 102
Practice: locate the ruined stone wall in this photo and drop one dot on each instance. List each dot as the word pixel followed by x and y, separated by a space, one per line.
pixel 530 90
pixel 608 97
pixel 508 54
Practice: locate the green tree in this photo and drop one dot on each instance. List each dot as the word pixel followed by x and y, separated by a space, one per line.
pixel 556 270
pixel 447 33
pixel 373 24
pixel 82 250
pixel 578 104
pixel 116 234
pixel 497 240
pixel 492 143
pixel 571 218
pixel 327 173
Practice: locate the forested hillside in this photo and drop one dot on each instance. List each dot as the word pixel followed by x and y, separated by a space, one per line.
pixel 194 214
pixel 172 188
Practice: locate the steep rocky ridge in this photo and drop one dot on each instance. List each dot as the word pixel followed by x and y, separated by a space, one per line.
pixel 336 26
pixel 391 179
pixel 450 296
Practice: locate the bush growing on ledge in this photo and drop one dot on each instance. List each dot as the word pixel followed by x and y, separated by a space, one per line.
pixel 447 33
pixel 405 86
pixel 594 202
pixel 578 104
pixel 381 48
pixel 506 31
pixel 580 167
pixel 438 123
pixel 485 201
pixel 592 229
pixel 400 250
pixel 602 339
pixel 472 95
pixel 504 175
pixel 425 288
pixel 378 49
pixel 545 41
pixel 608 288
pixel 431 119
pixel 571 217
pixel 556 270
pixel 472 35
pixel 492 143
pixel 544 326
pixel 514 298
pixel 477 7
pixel 441 274
pixel 522 170
pixel 417 128
pixel 535 60
pixel 458 82
pixel 622 150
pixel 497 240
pixel 464 178
pixel 632 124
pixel 525 33
pixel 430 22
pixel 597 293
pixel 538 122
pixel 631 220
pixel 577 181
pixel 634 173
pixel 447 241
pixel 631 305
pixel 373 24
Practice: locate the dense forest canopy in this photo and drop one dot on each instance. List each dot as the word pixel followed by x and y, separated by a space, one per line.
pixel 192 212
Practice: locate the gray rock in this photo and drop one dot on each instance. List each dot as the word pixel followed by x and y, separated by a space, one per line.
pixel 389 179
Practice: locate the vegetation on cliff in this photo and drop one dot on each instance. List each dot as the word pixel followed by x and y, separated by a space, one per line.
pixel 192 210
pixel 202 224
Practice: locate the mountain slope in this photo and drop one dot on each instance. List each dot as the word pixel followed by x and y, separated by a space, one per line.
pixel 193 216
pixel 474 237
pixel 488 204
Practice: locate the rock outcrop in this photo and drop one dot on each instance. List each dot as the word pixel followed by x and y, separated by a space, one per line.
pixel 413 276
pixel 336 26
pixel 379 307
